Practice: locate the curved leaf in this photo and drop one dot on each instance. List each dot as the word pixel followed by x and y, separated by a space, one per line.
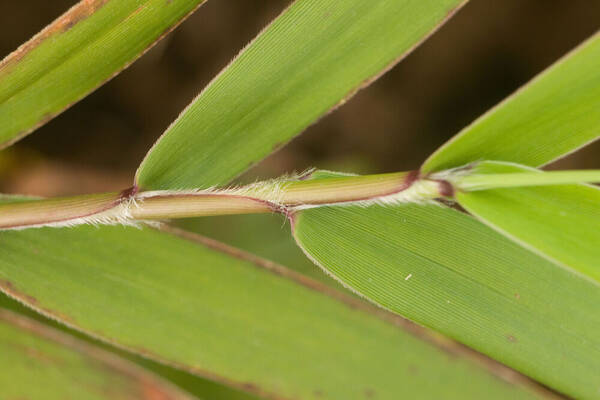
pixel 248 325
pixel 40 363
pixel 447 271
pixel 313 57
pixel 75 54
pixel 194 385
pixel 551 116
pixel 559 222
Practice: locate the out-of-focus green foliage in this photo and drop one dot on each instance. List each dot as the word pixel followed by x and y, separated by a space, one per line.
pixel 266 235
pixel 40 363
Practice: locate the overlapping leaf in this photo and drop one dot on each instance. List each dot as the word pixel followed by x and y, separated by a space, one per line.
pixel 195 385
pixel 39 363
pixel 231 319
pixel 312 58
pixel 553 115
pixel 447 271
pixel 75 54
pixel 273 243
pixel 559 222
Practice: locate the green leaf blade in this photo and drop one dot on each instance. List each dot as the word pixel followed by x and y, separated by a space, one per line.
pixel 40 363
pixel 445 270
pixel 561 222
pixel 193 385
pixel 216 315
pixel 78 52
pixel 551 116
pixel 523 178
pixel 309 60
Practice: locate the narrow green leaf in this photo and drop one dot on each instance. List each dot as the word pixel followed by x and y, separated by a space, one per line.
pixel 553 115
pixel 75 54
pixel 560 222
pixel 40 363
pixel 447 271
pixel 195 385
pixel 521 177
pixel 312 58
pixel 252 325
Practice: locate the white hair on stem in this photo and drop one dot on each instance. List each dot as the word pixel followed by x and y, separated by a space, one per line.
pixel 424 190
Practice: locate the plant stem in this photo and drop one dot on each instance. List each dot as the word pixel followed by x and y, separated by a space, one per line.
pixel 347 188
pixel 40 212
pixel 275 196
pixel 164 206
pixel 283 196
pixel 263 197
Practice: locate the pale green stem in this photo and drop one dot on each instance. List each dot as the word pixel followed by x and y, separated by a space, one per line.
pixel 166 206
pixel 275 196
pixel 271 196
pixel 346 188
pixel 40 212
pixel 257 198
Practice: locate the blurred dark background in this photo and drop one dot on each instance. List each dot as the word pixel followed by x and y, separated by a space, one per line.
pixel 480 56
